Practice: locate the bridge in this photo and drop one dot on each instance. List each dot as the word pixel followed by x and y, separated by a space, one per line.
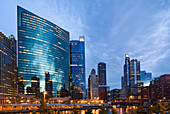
pixel 24 108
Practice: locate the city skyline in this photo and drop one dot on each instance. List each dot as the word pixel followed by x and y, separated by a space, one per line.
pixel 150 53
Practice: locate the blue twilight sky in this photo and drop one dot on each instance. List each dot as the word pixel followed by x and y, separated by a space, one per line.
pixel 112 28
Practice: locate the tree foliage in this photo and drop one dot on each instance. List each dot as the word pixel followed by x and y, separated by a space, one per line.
pixel 102 111
pixel 114 111
pixel 89 111
pixel 141 110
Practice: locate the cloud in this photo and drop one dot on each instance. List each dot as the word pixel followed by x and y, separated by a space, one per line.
pixel 152 45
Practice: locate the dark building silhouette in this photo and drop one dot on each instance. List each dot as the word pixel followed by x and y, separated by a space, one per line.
pixel 29 90
pixel 48 84
pixel 35 84
pixel 64 92
pixel 76 93
pixel 20 85
pixel 115 94
pixel 102 80
pixel 8 67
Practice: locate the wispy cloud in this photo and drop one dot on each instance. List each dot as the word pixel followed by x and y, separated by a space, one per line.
pixel 152 45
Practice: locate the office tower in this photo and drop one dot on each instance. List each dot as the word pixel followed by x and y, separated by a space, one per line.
pixel 8 67
pixel 20 85
pixel 131 79
pixel 48 84
pixel 102 80
pixel 88 88
pixel 42 47
pixel 93 85
pixel 122 82
pixel 77 65
pixel 145 77
pixel 126 71
pixel 115 94
pixel 35 84
pixel 134 79
pixel 161 88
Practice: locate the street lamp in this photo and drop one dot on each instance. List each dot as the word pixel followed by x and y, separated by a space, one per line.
pixel 44 93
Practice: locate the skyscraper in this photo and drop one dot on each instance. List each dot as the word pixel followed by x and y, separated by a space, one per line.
pixel 131 79
pixel 145 77
pixel 93 85
pixel 134 79
pixel 42 47
pixel 8 67
pixel 102 80
pixel 48 84
pixel 35 84
pixel 126 71
pixel 77 65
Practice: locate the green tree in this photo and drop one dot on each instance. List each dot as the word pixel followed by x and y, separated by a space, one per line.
pixel 114 111
pixel 89 111
pixel 102 111
pixel 141 110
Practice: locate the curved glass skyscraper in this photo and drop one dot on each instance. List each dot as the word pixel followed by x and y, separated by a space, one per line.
pixel 42 47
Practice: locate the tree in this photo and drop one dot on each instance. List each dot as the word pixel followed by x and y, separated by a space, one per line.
pixel 166 106
pixel 74 110
pixel 141 110
pixel 32 100
pixel 89 111
pixel 43 108
pixel 114 111
pixel 102 111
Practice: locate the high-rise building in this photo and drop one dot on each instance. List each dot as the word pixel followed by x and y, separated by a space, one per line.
pixel 93 85
pixel 122 82
pixel 115 94
pixel 20 85
pixel 77 65
pixel 8 67
pixel 42 47
pixel 126 71
pixel 102 80
pixel 48 84
pixel 160 89
pixel 145 78
pixel 35 84
pixel 131 79
pixel 134 79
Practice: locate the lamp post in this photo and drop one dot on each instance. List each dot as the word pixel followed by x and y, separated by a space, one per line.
pixel 44 93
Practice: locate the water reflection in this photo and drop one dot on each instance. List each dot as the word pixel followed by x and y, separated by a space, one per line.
pixel 109 111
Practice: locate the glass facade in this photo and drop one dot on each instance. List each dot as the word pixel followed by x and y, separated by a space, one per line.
pixel 145 77
pixel 42 47
pixel 102 76
pixel 77 65
pixel 131 79
pixel 8 68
